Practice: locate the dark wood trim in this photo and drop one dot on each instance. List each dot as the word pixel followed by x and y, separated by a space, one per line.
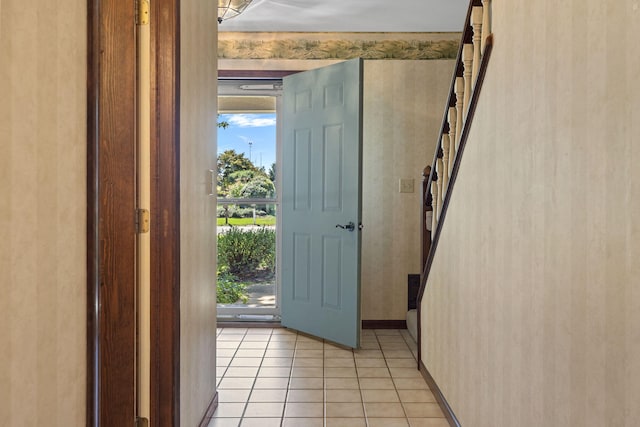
pixel 111 202
pixel 254 74
pixel 442 402
pixel 165 213
pixel 211 409
pixel 384 324
pixel 93 279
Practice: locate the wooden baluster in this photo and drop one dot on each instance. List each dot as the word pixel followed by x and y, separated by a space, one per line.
pixel 445 159
pixel 467 59
pixel 476 22
pixel 486 22
pixel 453 132
pixel 439 166
pixel 459 109
pixel 428 199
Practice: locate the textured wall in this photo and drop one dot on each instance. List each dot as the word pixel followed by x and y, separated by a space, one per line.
pixel 532 312
pixel 403 107
pixel 42 213
pixel 198 108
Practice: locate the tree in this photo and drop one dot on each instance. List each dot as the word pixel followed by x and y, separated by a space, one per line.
pixel 272 172
pixel 223 124
pixel 259 187
pixel 230 163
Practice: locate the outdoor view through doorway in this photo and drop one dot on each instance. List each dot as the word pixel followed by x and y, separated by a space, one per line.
pixel 247 285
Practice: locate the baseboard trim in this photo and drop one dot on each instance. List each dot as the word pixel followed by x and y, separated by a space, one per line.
pixel 366 324
pixel 384 324
pixel 211 409
pixel 442 402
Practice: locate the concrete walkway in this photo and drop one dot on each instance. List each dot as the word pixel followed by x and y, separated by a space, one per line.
pixel 261 295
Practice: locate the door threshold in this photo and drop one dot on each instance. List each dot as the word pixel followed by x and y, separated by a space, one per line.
pixel 249 320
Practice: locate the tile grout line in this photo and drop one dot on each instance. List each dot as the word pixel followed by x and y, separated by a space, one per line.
pixel 395 388
pixel 244 409
pixel 355 364
pixel 286 395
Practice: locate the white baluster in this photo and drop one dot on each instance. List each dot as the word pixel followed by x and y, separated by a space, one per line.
pixel 459 87
pixel 445 162
pixel 467 60
pixel 476 22
pixel 453 132
pixel 486 22
pixel 439 165
pixel 434 205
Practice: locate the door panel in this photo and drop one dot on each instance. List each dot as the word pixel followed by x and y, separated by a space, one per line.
pixel 321 189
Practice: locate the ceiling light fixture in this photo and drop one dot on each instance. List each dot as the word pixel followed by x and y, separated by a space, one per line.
pixel 228 9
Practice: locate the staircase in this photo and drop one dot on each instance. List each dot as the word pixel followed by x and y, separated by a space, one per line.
pixel 439 178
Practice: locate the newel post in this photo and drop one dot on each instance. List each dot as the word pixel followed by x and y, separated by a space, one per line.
pixel 427 216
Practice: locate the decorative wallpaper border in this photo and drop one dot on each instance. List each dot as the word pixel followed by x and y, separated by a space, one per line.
pixel 338 46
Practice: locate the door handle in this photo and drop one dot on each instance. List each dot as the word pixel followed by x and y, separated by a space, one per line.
pixel 349 227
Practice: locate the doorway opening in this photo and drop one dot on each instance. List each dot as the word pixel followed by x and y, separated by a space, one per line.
pixel 248 285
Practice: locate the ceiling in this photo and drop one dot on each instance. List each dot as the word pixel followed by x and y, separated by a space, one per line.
pixel 350 16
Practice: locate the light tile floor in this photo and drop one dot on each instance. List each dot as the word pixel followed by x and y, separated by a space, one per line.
pixel 277 377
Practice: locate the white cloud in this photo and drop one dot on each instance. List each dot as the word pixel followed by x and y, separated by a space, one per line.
pixel 250 121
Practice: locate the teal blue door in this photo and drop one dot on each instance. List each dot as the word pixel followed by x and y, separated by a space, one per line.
pixel 321 202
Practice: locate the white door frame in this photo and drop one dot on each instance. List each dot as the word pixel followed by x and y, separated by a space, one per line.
pixel 231 87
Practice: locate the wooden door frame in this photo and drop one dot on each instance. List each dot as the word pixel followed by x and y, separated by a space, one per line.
pixel 111 204
pixel 165 213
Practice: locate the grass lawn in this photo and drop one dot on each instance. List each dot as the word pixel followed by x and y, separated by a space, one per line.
pixel 261 220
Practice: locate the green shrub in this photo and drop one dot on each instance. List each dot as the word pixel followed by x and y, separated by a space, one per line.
pixel 244 213
pixel 229 290
pixel 243 251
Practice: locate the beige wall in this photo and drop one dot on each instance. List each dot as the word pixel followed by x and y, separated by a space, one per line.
pixel 198 109
pixel 403 108
pixel 532 312
pixel 42 213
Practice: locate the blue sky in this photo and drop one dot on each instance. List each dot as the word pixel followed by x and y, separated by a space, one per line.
pixel 260 129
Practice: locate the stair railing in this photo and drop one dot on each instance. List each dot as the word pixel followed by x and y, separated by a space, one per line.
pixel 439 178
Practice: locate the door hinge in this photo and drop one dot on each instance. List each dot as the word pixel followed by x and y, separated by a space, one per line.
pixel 142 12
pixel 141 422
pixel 142 221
